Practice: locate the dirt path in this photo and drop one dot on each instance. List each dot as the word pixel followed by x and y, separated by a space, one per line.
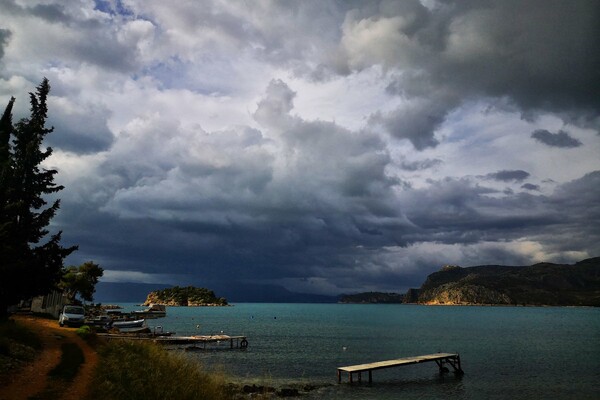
pixel 33 378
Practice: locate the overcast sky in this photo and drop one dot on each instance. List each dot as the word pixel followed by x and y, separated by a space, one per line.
pixel 324 146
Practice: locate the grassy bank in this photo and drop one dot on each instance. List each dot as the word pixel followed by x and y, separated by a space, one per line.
pixel 18 345
pixel 134 370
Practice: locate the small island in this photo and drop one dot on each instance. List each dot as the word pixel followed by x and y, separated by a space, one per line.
pixel 188 296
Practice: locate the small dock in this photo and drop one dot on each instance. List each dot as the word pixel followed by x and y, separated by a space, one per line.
pixel 441 359
pixel 235 342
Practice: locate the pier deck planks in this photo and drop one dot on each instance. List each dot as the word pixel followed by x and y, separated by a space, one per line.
pixel 178 340
pixel 440 358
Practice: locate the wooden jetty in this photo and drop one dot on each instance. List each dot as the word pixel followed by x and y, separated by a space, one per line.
pixel 452 359
pixel 239 342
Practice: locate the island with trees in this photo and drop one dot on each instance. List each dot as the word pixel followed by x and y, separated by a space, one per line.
pixel 188 296
pixel 545 284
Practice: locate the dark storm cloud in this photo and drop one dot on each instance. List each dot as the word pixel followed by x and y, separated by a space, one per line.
pixel 310 202
pixel 541 55
pixel 226 203
pixel 416 122
pixel 508 175
pixel 82 131
pixel 94 43
pixel 558 139
pixel 530 186
pixel 282 242
pixel 420 165
pixel 459 211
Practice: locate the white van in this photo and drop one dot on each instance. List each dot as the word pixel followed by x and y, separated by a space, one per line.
pixel 72 315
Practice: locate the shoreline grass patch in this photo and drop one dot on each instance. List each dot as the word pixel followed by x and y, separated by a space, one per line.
pixel 136 370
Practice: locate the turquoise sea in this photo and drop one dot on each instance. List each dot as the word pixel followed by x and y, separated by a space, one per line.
pixel 506 352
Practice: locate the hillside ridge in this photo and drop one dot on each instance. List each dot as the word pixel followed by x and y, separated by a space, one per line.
pixel 538 284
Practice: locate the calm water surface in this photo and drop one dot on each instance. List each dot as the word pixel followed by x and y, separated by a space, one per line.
pixel 506 352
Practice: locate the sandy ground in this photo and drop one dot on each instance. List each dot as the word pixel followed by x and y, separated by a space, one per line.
pixel 33 379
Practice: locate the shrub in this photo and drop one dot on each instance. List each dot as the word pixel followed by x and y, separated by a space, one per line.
pixel 12 331
pixel 84 331
pixel 136 370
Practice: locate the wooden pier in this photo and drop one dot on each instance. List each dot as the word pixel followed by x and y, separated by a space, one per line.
pixel 441 359
pixel 239 342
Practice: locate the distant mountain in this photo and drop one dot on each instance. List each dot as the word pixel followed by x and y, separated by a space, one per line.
pixel 539 284
pixel 124 292
pixel 371 298
pixel 235 292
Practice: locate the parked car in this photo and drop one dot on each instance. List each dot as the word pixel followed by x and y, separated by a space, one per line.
pixel 72 316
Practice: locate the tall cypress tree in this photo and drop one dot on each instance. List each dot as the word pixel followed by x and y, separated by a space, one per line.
pixel 28 265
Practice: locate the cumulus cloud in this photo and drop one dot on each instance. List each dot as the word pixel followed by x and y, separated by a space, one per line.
pixel 558 139
pixel 277 198
pixel 525 52
pixel 324 146
pixel 416 122
pixel 80 128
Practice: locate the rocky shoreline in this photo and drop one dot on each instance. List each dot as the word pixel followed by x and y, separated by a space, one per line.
pixel 249 391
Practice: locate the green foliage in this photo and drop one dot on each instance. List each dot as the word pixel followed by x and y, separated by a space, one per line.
pixel 29 266
pixel 11 331
pixel 134 370
pixel 187 295
pixel 81 280
pixel 84 331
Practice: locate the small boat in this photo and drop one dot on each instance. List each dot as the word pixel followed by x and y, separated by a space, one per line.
pixel 138 323
pixel 141 330
pixel 154 311
pixel 131 326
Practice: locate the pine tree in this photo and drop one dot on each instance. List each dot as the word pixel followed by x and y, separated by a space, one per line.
pixel 28 267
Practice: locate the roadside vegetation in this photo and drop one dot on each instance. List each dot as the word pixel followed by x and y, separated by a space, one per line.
pixel 134 370
pixel 18 345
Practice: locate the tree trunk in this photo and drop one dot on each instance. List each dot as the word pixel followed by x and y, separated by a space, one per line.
pixel 3 310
